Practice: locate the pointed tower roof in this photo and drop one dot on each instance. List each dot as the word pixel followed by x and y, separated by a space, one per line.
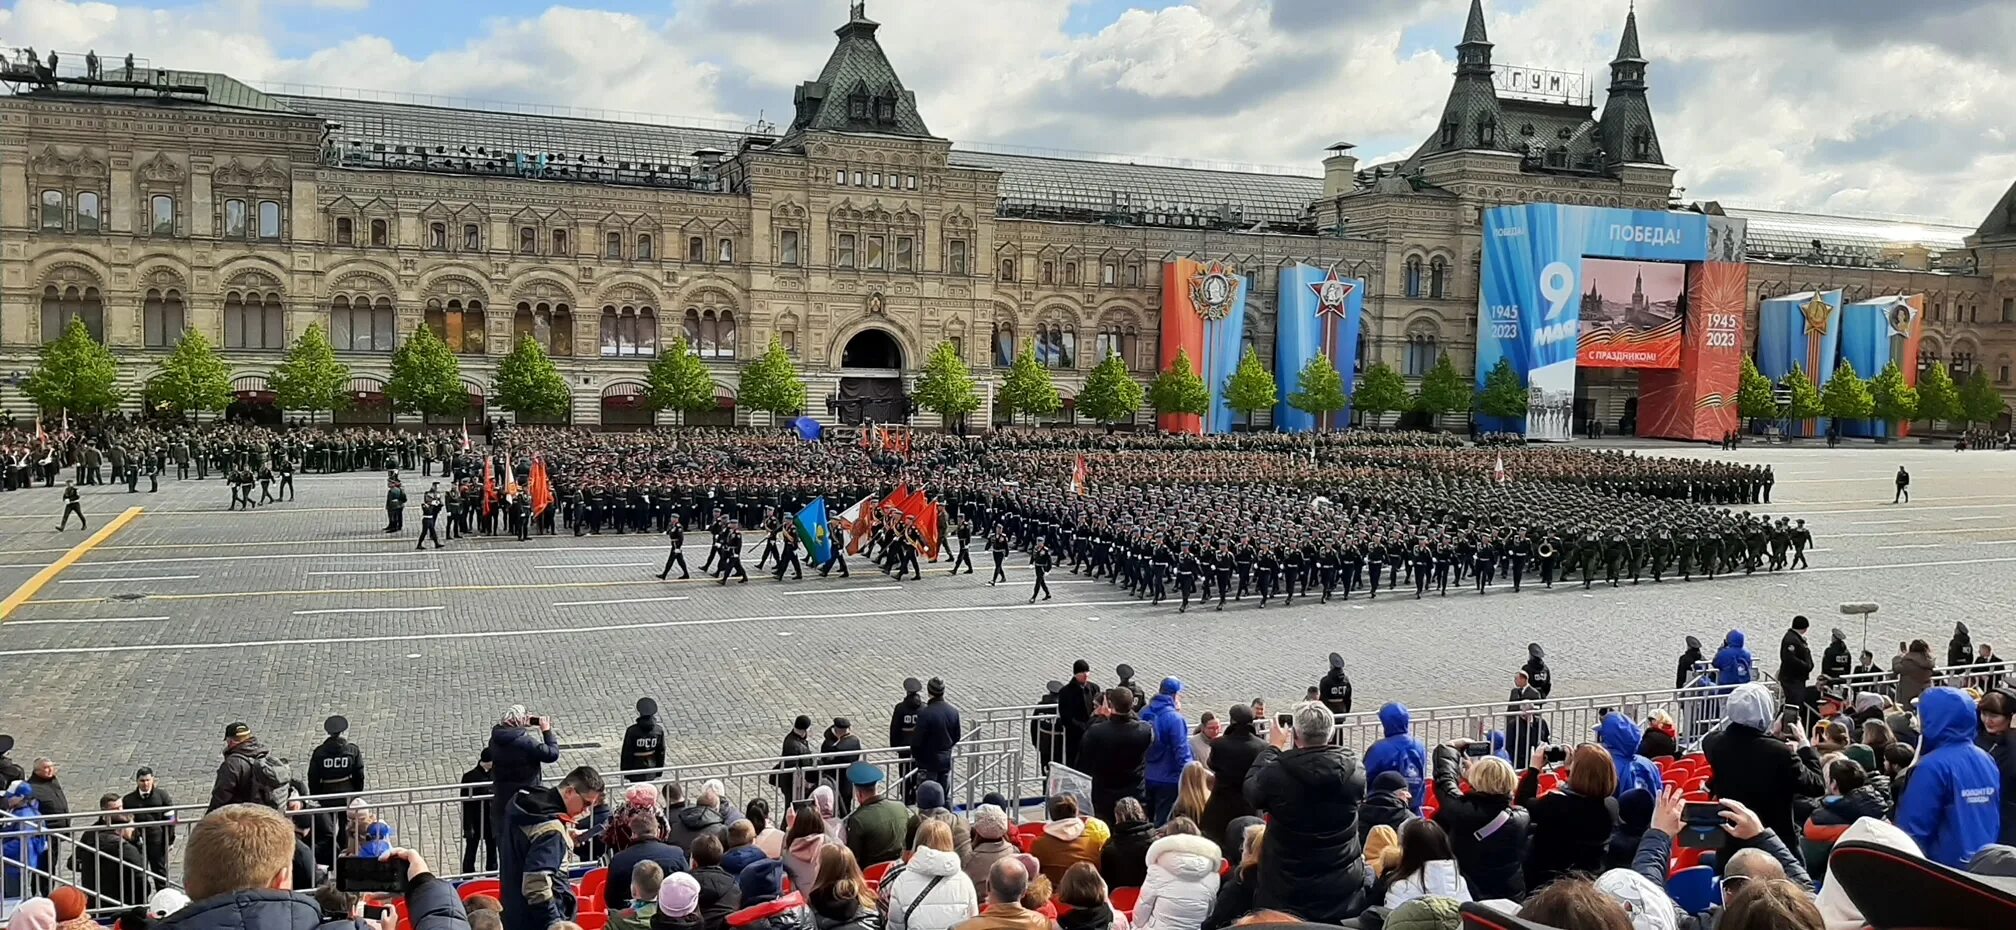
pixel 1627 47
pixel 858 90
pixel 1473 30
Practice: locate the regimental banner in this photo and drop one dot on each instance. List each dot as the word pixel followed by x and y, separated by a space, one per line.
pixel 1697 401
pixel 1204 314
pixel 1801 329
pixel 1529 306
pixel 1630 314
pixel 1320 314
pixel 1874 333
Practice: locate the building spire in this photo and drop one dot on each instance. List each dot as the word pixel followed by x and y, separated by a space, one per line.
pixel 1627 47
pixel 1473 30
pixel 857 11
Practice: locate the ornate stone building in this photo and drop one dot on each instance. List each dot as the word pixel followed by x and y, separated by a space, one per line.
pixel 146 201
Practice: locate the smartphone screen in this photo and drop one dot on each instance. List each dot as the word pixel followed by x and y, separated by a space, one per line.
pixel 1284 721
pixel 359 875
pixel 1701 825
pixel 374 912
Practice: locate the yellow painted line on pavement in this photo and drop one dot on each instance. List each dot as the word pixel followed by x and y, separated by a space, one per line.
pixel 324 592
pixel 48 574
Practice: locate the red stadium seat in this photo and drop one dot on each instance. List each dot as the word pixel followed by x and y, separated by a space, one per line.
pixel 1697 783
pixel 1026 834
pixel 1683 859
pixel 875 873
pixel 1123 900
pixel 489 886
pixel 592 920
pixel 594 886
pixel 756 912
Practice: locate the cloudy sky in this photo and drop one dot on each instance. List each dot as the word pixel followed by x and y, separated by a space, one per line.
pixel 1845 106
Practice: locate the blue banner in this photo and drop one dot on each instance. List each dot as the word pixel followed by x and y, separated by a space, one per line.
pixel 1804 330
pixel 1223 341
pixel 1865 344
pixel 816 531
pixel 1529 301
pixel 1320 315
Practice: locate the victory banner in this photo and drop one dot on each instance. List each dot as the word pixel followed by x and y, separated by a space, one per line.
pixel 1874 333
pixel 1203 314
pixel 1698 400
pixel 1320 316
pixel 1802 330
pixel 1530 304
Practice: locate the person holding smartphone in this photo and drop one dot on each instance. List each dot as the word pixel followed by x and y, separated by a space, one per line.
pixel 520 744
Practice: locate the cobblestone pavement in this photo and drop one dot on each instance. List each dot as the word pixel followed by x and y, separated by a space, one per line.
pixel 286 614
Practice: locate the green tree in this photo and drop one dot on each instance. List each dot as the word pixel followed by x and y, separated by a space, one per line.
pixel 679 381
pixel 1380 390
pixel 1754 398
pixel 770 383
pixel 528 383
pixel 1319 391
pixel 1979 402
pixel 948 387
pixel 1028 388
pixel 1443 390
pixel 1502 395
pixel 1938 396
pixel 1806 403
pixel 310 378
pixel 192 378
pixel 1178 389
pixel 1846 396
pixel 1250 387
pixel 1110 395
pixel 1895 401
pixel 75 374
pixel 425 377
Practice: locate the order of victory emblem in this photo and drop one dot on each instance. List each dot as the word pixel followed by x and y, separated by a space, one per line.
pixel 1211 291
pixel 1331 293
pixel 1901 316
pixel 1817 312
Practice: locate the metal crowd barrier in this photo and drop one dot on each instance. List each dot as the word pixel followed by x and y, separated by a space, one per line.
pixel 1003 749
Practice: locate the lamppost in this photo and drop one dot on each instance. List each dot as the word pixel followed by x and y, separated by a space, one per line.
pixel 1862 609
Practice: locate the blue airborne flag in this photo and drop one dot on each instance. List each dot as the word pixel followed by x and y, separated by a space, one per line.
pixel 816 531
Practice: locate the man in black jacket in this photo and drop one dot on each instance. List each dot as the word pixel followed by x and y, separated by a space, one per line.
pixel 155 830
pixel 476 830
pixel 937 732
pixel 1795 668
pixel 1310 861
pixel 1688 660
pixel 1537 672
pixel 1074 709
pixel 838 749
pixel 1232 755
pixel 643 753
pixel 903 723
pixel 335 768
pixel 1114 752
pixel 795 776
pixel 1335 688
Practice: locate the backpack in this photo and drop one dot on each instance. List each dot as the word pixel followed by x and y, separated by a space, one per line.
pixel 274 780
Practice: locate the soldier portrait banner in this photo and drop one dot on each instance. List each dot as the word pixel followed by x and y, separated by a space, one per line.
pixel 1320 315
pixel 1203 314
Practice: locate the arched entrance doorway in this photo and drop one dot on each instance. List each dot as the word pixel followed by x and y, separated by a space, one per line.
pixel 624 407
pixel 253 401
pixel 366 404
pixel 871 380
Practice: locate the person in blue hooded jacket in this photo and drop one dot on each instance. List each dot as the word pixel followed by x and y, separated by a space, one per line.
pixel 1170 750
pixel 1733 665
pixel 1619 735
pixel 1399 752
pixel 1952 804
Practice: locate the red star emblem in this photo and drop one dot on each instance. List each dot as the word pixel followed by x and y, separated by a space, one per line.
pixel 1331 294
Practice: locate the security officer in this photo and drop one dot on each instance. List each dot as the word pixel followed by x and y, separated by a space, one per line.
pixel 430 514
pixel 963 537
pixel 1335 688
pixel 675 534
pixel 1126 675
pixel 335 769
pixel 643 753
pixel 903 723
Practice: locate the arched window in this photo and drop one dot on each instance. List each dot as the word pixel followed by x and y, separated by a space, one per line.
pixel 1438 277
pixel 361 324
pixel 1413 277
pixel 629 331
pixel 644 247
pixel 269 219
pixel 87 212
pixel 1004 344
pixel 378 236
pixel 72 303
pixel 1117 337
pixel 528 240
pixel 1423 350
pixel 1008 270
pixel 346 231
pixel 55 211
pixel 163 209
pixel 437 235
pixel 255 320
pixel 162 317
pixel 696 249
pixel 549 325
pixel 559 242
pixel 234 219
pixel 458 324
pixel 612 245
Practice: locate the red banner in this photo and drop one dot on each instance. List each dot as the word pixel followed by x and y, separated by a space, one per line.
pixel 1697 401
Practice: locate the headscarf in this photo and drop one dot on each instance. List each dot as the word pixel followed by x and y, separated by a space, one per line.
pixel 822 798
pixel 1836 909
pixel 34 914
pixel 515 716
pixel 1646 903
pixel 1752 706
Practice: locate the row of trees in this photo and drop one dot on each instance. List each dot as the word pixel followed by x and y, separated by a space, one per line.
pixel 1886 397
pixel 78 374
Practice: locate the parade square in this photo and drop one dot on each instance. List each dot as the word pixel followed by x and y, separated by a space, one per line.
pixel 192 616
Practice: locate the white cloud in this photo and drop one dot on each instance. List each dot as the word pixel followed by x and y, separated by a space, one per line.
pixel 1840 119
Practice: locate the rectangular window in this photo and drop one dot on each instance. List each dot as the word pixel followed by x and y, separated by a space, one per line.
pixel 234 219
pixel 787 247
pixel 874 180
pixel 910 182
pixel 843 251
pixel 269 219
pixel 346 231
pixel 892 182
pixel 859 180
pixel 789 338
pixel 958 346
pixel 53 210
pixel 612 245
pixel 378 232
pixel 955 257
pixel 559 242
pixel 644 247
pixel 472 238
pixel 2008 303
pixel 164 215
pixel 87 212
pixel 1049 273
pixel 1133 275
pixel 528 240
pixel 727 252
pixel 1106 274
pixel 906 253
pixel 696 249
pixel 1070 272
pixel 437 236
pixel 840 176
pixel 875 252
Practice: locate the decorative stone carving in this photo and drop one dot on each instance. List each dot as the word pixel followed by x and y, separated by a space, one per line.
pixel 54 164
pixel 161 169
